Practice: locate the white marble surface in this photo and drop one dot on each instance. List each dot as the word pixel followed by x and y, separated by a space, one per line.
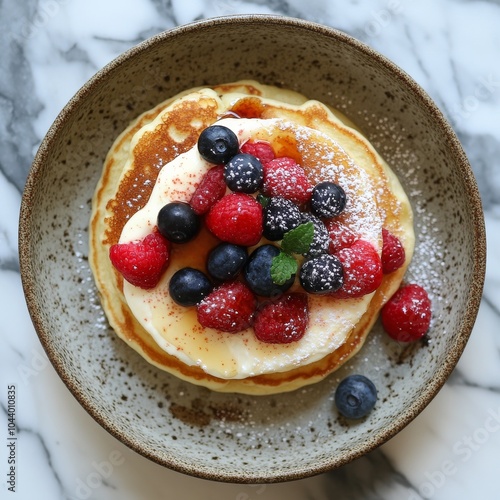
pixel 48 49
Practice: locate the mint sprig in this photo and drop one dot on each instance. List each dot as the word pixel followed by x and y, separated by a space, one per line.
pixel 283 267
pixel 263 200
pixel 299 239
pixel 295 241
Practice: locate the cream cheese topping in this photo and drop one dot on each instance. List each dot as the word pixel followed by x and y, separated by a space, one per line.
pixel 235 356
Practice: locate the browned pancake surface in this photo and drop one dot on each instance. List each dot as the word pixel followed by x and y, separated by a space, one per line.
pixel 131 169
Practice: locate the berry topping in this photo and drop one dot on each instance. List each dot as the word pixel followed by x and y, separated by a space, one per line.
pixel 393 252
pixel 261 150
pixel 341 236
pixel 225 261
pixel 407 315
pixel 189 286
pixel 280 216
pixel 355 396
pixel 257 272
pixel 218 144
pixel 284 320
pixel 243 173
pixel 229 308
pixel 327 199
pixel 299 239
pixel 322 274
pixel 178 222
pixel 211 189
pixel 362 270
pixel 236 218
pixel 283 268
pixel 143 262
pixel 284 177
pixel 296 241
pixel 321 239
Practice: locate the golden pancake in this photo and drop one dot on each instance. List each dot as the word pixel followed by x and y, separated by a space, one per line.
pixel 166 135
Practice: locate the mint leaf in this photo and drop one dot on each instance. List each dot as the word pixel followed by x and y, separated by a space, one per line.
pixel 263 200
pixel 299 239
pixel 283 267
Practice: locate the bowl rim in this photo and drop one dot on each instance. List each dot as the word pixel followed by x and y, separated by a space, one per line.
pixel 28 276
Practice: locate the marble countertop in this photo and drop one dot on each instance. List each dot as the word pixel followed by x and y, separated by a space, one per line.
pixel 48 49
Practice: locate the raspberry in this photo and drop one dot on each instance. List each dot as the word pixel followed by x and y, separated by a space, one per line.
pixel 362 270
pixel 210 190
pixel 393 252
pixel 236 218
pixel 229 308
pixel 340 236
pixel 143 262
pixel 407 315
pixel 284 320
pixel 284 177
pixel 261 150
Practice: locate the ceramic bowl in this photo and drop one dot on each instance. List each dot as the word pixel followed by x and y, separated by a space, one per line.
pixel 230 437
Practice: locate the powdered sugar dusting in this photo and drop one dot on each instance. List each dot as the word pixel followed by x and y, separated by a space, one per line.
pixel 390 139
pixel 329 161
pixel 331 320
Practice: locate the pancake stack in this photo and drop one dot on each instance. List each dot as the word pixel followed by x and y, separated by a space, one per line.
pixel 140 169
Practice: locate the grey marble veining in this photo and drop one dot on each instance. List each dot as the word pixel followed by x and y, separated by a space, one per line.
pixel 48 49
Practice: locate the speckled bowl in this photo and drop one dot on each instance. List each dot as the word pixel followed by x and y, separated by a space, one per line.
pixel 232 437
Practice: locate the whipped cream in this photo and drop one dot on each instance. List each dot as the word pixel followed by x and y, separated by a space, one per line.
pixel 235 356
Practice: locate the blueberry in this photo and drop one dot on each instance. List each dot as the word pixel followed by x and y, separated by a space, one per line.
pixel 178 222
pixel 327 199
pixel 218 144
pixel 355 396
pixel 189 286
pixel 257 272
pixel 322 274
pixel 280 216
pixel 225 261
pixel 321 239
pixel 244 173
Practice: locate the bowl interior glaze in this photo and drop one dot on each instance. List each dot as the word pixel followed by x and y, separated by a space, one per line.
pixel 232 437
